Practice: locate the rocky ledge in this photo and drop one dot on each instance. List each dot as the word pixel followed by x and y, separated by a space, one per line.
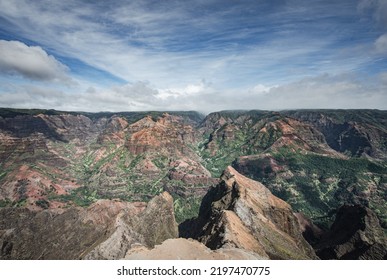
pixel 355 234
pixel 105 230
pixel 242 213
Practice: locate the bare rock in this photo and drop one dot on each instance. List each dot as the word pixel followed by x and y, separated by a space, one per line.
pixel 355 234
pixel 311 232
pixel 105 230
pixel 188 249
pixel 242 213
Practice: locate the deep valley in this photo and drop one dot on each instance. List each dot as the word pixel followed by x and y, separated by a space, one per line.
pixel 300 184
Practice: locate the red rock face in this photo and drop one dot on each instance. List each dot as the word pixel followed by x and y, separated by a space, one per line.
pixel 168 134
pixel 114 132
pixel 358 132
pixel 109 155
pixel 253 134
pixel 190 172
pixel 34 168
pixel 30 186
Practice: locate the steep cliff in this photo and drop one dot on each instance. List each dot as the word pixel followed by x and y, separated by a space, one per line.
pixel 355 234
pixel 105 230
pixel 353 132
pixel 242 213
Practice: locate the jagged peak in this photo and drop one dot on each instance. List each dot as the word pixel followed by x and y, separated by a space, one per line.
pixel 238 203
pixel 145 122
pixel 232 178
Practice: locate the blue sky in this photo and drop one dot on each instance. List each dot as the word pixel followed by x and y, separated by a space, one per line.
pixel 205 55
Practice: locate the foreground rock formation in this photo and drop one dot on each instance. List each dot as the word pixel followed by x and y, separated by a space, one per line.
pixel 105 230
pixel 355 234
pixel 242 213
pixel 188 249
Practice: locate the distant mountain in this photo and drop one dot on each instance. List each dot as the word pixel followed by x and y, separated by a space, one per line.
pixel 52 160
pixel 315 160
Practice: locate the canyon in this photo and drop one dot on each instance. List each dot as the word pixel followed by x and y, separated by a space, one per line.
pixel 229 185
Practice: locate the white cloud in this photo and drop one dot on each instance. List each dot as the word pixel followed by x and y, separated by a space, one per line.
pixel 381 44
pixel 383 78
pixel 33 97
pixel 31 62
pixel 327 91
pixel 261 89
pixel 188 90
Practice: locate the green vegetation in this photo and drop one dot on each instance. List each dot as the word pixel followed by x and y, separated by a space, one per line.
pixel 43 203
pixel 223 153
pixel 82 196
pixel 20 203
pixel 264 140
pixel 161 161
pixel 311 183
pixel 11 113
pixel 131 116
pixel 235 114
pixel 2 175
pixel 218 151
pixel 5 203
pixel 375 117
pixel 186 208
pixel 321 184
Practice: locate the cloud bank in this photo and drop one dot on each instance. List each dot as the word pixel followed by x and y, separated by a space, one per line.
pixel 322 91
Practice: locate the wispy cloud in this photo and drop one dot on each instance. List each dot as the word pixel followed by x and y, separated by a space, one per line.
pixel 377 10
pixel 197 55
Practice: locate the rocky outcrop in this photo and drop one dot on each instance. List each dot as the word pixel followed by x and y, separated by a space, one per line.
pixel 188 249
pixel 113 132
pixel 190 172
pixel 168 134
pixel 311 232
pixel 105 230
pixel 242 213
pixel 355 234
pixel 157 223
pixel 71 127
pixel 62 127
pixel 355 132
